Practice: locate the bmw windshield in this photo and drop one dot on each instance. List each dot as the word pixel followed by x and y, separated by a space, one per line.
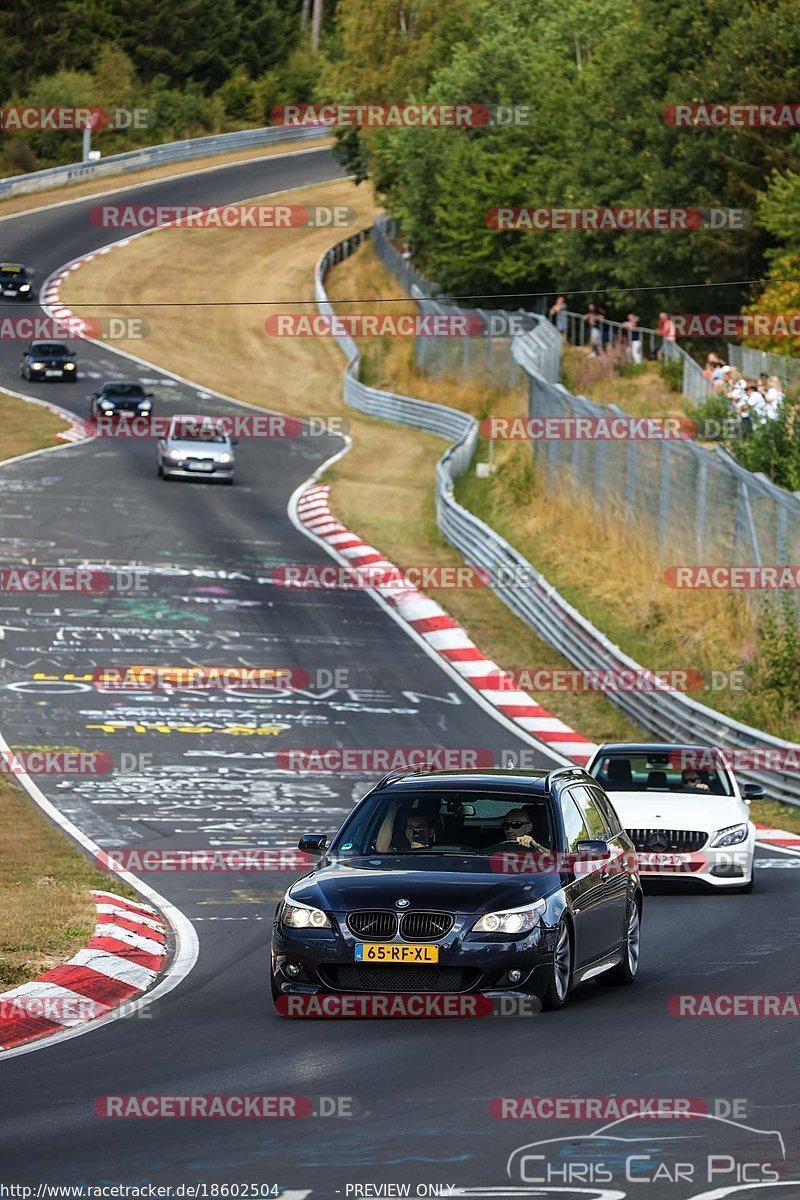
pixel 446 822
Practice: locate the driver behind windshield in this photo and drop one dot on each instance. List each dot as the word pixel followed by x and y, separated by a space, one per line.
pixel 419 832
pixel 518 827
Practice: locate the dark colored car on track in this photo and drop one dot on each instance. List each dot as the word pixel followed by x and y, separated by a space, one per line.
pixel 48 360
pixel 490 882
pixel 120 396
pixel 16 281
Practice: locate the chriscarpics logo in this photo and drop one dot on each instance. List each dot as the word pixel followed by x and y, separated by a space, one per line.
pixel 703 1157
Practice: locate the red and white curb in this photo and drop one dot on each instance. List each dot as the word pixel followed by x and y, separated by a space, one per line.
pixel 119 963
pixel 778 839
pixel 442 633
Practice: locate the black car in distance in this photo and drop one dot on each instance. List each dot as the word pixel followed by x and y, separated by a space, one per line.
pixel 120 396
pixel 48 360
pixel 488 882
pixel 16 281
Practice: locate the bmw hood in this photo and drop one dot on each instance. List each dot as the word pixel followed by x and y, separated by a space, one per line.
pixel 671 810
pixel 452 884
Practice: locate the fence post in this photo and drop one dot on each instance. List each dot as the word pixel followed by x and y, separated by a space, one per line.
pixel 663 497
pixel 630 483
pixel 600 472
pixel 700 508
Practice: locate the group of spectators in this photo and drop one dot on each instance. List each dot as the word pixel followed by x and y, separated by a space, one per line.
pixel 604 339
pixel 754 401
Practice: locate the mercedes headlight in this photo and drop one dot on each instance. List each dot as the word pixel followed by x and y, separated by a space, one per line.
pixel 25 287
pixel 145 404
pixel 225 458
pixel 303 916
pixel 512 920
pixel 106 403
pixel 732 835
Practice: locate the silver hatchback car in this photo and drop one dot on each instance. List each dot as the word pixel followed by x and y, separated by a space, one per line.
pixel 195 450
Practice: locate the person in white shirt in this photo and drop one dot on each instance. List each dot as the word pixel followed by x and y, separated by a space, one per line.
pixel 774 397
pixel 757 405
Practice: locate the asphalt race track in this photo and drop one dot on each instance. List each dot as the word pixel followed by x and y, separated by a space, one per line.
pixel 421 1089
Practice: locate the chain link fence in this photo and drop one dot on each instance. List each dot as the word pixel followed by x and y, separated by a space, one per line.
pixel 698 505
pixel 489 357
pixel 753 363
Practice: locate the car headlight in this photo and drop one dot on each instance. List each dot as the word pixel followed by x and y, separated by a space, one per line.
pixel 225 458
pixel 69 366
pixel 732 835
pixel 25 287
pixel 175 455
pixel 303 916
pixel 145 404
pixel 37 366
pixel 106 403
pixel 512 920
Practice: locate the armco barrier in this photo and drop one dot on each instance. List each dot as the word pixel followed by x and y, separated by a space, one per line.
pixel 756 362
pixel 154 156
pixel 669 716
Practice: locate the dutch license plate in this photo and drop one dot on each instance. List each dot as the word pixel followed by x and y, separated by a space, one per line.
pixel 52 373
pixel 200 466
pixel 8 292
pixel 372 952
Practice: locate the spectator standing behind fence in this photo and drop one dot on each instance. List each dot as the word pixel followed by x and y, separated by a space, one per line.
pixel 592 319
pixel 632 337
pixel 774 397
pixel 666 331
pixel 558 315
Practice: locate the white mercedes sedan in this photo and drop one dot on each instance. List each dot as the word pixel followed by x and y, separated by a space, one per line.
pixel 683 809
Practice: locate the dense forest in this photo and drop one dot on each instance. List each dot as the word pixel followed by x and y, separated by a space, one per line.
pixel 597 75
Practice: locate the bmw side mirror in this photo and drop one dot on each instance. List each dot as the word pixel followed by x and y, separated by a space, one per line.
pixel 313 843
pixel 593 849
pixel 753 791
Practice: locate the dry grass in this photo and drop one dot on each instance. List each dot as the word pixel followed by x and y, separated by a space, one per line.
pixel 641 391
pixel 26 426
pixel 95 187
pixel 48 913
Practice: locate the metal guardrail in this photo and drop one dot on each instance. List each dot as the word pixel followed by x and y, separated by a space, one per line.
pixel 153 156
pixel 668 715
pixel 492 356
pixel 753 363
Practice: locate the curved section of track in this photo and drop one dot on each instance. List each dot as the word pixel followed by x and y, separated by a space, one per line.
pixel 423 1088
